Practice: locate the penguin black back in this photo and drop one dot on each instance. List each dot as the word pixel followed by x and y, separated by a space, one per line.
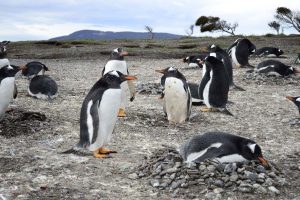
pixel 44 85
pixel 268 66
pixel 240 51
pixel 264 51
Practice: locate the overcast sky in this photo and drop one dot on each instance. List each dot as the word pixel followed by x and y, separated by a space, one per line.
pixel 44 19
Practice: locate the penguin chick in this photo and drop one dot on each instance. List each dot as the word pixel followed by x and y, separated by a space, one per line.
pixel 177 95
pixel 99 113
pixel 295 100
pixel 222 147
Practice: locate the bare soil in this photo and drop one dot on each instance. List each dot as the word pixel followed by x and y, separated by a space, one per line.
pixel 35 133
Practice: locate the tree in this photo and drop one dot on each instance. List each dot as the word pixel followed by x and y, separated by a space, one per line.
pixel 211 24
pixel 190 30
pixel 291 19
pixel 275 25
pixel 150 30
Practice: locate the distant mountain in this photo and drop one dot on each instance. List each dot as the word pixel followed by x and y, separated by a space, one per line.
pixel 109 35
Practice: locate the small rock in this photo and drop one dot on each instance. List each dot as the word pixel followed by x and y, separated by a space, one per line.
pixel 245 189
pixel 202 167
pixel 219 183
pixel 220 167
pixel 260 180
pixel 269 181
pixel 218 190
pixel 154 183
pixel 211 168
pixel 229 168
pixel 184 185
pixel 260 188
pixel 234 177
pixel 274 190
pixel 229 184
pixel 178 164
pixel 272 174
pixel 260 169
pixel 173 176
pixel 261 176
pixel 133 176
pixel 252 176
pixel 240 170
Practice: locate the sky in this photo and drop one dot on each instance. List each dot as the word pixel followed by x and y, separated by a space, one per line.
pixel 44 19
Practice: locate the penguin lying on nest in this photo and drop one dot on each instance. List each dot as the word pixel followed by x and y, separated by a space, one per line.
pixel 265 51
pixel 176 95
pixel 40 86
pixel 274 67
pixel 99 114
pixel 221 147
pixel 194 60
pixel 295 100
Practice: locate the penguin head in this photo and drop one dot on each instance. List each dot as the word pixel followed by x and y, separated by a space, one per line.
pixel 295 100
pixel 171 72
pixel 34 68
pixel 9 70
pixel 3 48
pixel 214 48
pixel 251 46
pixel 116 78
pixel 186 59
pixel 280 52
pixel 252 151
pixel 212 61
pixel 291 70
pixel 118 54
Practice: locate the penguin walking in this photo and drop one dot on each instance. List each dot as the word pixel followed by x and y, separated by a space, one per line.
pixel 240 51
pixel 222 55
pixel 7 86
pixel 34 68
pixel 99 113
pixel 274 67
pixel 176 95
pixel 222 147
pixel 214 86
pixel 295 100
pixel 265 51
pixel 117 62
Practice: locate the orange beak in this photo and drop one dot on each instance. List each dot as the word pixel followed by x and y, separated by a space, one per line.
pixel 290 98
pixel 160 71
pixel 23 67
pixel 129 78
pixel 297 71
pixel 264 162
pixel 124 53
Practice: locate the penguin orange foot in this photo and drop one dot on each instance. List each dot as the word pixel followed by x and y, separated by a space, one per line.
pixel 97 154
pixel 122 113
pixel 106 151
pixel 208 109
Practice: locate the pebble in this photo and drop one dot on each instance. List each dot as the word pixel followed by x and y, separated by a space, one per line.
pixel 218 190
pixel 252 176
pixel 219 183
pixel 229 168
pixel 234 177
pixel 154 183
pixel 260 169
pixel 133 176
pixel 211 168
pixel 274 190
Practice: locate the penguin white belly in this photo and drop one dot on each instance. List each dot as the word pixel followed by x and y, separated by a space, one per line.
pixel 231 158
pixel 7 86
pixel 118 65
pixel 175 100
pixel 203 70
pixel 233 56
pixel 108 115
pixel 40 95
pixel 4 62
pixel 193 65
pixel 206 91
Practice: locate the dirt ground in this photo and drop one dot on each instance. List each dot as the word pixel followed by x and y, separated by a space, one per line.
pixel 32 166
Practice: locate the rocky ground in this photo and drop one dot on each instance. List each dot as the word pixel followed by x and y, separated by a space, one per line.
pixel 35 132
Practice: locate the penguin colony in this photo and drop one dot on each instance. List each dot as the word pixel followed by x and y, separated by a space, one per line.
pixel 106 100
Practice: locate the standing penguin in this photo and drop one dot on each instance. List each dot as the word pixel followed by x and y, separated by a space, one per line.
pixel 177 96
pixel 214 86
pixel 34 68
pixel 295 100
pixel 99 113
pixel 3 60
pixel 222 147
pixel 240 51
pixel 7 86
pixel 222 55
pixel 117 62
pixel 297 59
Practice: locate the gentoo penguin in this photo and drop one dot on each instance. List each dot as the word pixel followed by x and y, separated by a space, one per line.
pixel 99 113
pixel 265 51
pixel 3 60
pixel 117 62
pixel 214 86
pixel 222 55
pixel 177 96
pixel 42 87
pixel 34 68
pixel 276 68
pixel 221 147
pixel 297 59
pixel 240 51
pixel 7 86
pixel 194 60
pixel 295 100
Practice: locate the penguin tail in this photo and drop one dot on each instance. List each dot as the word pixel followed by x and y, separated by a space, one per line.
pixel 225 111
pixel 250 71
pixel 248 65
pixel 238 88
pixel 50 100
pixel 77 150
pixel 69 151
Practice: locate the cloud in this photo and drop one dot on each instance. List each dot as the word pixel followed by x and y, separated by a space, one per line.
pixel 35 20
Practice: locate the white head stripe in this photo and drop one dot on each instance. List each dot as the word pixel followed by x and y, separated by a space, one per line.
pixel 10 67
pixel 213 46
pixel 291 68
pixel 251 147
pixel 298 99
pixel 187 58
pixel 116 50
pixel 115 73
pixel 171 69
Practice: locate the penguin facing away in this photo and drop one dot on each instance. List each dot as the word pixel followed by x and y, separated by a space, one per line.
pixel 276 68
pixel 214 86
pixel 99 113
pixel 34 68
pixel 118 63
pixel 265 51
pixel 222 147
pixel 176 95
pixel 7 86
pixel 295 100
pixel 240 51
pixel 42 87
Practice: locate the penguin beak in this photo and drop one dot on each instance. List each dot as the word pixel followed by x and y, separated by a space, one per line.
pixel 124 53
pixel 129 78
pixel 289 98
pixel 297 71
pixel 162 71
pixel 22 68
pixel 264 162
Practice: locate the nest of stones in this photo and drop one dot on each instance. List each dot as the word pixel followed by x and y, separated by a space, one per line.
pixel 264 79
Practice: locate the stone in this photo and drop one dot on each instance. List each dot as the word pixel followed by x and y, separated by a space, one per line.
pixel 218 190
pixel 133 176
pixel 154 183
pixel 274 190
pixel 229 184
pixel 229 168
pixel 260 169
pixel 219 183
pixel 220 167
pixel 261 176
pixel 240 170
pixel 234 177
pixel 173 176
pixel 272 174
pixel 211 168
pixel 202 167
pixel 245 189
pixel 269 181
pixel 252 176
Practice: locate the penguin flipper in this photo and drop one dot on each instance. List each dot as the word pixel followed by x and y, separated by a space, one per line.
pixel 15 91
pixel 212 152
pixel 225 111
